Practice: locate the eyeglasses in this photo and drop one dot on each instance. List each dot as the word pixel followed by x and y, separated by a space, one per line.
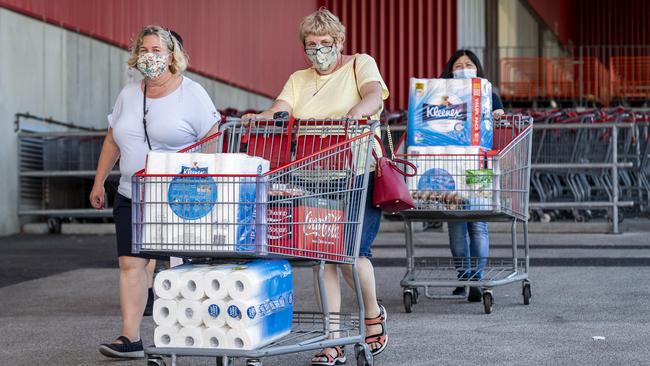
pixel 314 51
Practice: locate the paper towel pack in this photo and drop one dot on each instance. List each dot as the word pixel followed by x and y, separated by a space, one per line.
pixel 450 112
pixel 203 213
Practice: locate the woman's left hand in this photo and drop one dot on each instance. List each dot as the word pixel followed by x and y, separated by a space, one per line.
pixel 353 114
pixel 498 113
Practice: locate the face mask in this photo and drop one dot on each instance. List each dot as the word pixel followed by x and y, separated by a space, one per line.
pixel 151 65
pixel 322 62
pixel 464 74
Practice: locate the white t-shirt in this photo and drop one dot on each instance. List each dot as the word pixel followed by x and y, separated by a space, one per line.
pixel 174 122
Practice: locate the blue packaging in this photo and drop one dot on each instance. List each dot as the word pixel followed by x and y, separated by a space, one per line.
pixel 450 112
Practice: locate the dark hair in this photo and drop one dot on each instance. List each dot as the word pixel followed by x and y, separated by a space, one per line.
pixel 448 71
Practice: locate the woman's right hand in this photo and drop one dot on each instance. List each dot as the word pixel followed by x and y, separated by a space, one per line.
pixel 97 196
pixel 250 118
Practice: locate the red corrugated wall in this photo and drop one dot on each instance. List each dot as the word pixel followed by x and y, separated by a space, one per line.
pixel 251 44
pixel 408 38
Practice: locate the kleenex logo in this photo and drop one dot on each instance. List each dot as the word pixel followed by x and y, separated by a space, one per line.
pixel 195 169
pixel 451 111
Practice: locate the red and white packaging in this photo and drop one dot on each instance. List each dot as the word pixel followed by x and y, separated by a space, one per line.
pixel 306 227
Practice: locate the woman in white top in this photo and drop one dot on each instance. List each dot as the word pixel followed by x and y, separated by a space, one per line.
pixel 164 112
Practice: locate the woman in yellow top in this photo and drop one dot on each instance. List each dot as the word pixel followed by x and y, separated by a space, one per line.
pixel 330 89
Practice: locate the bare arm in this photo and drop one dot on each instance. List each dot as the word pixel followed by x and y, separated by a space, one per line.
pixel 278 106
pixel 107 159
pixel 370 103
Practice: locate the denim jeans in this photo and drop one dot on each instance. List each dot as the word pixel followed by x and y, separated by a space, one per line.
pixel 470 256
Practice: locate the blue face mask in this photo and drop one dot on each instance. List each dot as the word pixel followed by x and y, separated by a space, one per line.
pixel 464 74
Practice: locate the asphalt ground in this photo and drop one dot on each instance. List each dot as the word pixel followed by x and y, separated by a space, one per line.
pixel 590 305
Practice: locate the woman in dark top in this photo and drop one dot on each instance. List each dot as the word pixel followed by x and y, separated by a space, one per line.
pixel 469 240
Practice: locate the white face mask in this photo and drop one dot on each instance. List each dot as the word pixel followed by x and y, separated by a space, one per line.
pixel 464 74
pixel 322 62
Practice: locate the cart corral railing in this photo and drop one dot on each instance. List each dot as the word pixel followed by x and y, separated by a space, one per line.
pixel 56 168
pixel 580 75
pixel 576 173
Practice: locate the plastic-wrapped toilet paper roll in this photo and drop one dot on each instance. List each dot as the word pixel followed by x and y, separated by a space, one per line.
pixel 189 337
pixel 189 312
pixel 274 313
pixel 214 312
pixel 192 283
pixel 215 281
pixel 165 312
pixel 259 279
pixel 167 283
pixel 216 338
pixel 250 338
pixel 163 335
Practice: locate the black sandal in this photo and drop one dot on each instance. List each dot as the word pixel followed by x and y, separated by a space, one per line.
pixel 126 349
pixel 331 361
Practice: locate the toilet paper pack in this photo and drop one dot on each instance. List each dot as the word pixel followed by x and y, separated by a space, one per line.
pixel 203 213
pixel 448 112
pixel 262 304
pixel 451 177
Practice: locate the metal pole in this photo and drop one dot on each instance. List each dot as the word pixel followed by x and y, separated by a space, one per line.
pixel 615 229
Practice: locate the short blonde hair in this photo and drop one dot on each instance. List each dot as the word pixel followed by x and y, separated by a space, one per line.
pixel 322 23
pixel 179 57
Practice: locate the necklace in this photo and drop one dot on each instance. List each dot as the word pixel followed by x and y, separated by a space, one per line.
pixel 163 84
pixel 322 86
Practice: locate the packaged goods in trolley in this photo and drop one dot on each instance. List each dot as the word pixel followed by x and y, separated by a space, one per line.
pixel 192 208
pixel 255 309
pixel 450 112
pixel 452 177
pixel 310 227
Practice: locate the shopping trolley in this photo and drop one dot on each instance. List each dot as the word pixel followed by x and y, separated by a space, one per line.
pixel 308 206
pixel 490 186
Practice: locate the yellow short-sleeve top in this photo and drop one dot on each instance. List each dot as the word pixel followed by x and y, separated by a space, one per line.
pixel 311 95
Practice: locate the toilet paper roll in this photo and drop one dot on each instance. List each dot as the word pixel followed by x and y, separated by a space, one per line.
pixel 248 339
pixel 191 283
pixel 189 337
pixel 165 312
pixel 163 335
pixel 260 279
pixel 216 337
pixel 215 281
pixel 214 312
pixel 275 313
pixel 189 312
pixel 167 283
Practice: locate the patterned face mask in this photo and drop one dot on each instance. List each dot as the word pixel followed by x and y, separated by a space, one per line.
pixel 151 65
pixel 323 62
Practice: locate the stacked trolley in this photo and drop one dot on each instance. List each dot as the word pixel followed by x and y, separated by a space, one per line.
pixel 501 195
pixel 320 166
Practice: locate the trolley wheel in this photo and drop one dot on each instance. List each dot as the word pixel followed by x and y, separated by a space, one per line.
pixel 525 291
pixel 579 218
pixel 363 356
pixel 408 301
pixel 487 302
pixel 545 218
pixel 416 295
pixel 229 361
pixel 156 361
pixel 252 362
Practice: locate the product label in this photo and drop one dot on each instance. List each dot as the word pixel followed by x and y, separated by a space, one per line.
pixel 271 305
pixel 192 198
pixel 213 310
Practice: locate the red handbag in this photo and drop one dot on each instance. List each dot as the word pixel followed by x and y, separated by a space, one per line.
pixel 390 192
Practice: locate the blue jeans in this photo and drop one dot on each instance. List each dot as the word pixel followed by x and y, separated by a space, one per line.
pixel 470 256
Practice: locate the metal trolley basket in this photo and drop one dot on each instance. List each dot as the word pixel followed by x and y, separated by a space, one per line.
pixel 491 186
pixel 309 206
